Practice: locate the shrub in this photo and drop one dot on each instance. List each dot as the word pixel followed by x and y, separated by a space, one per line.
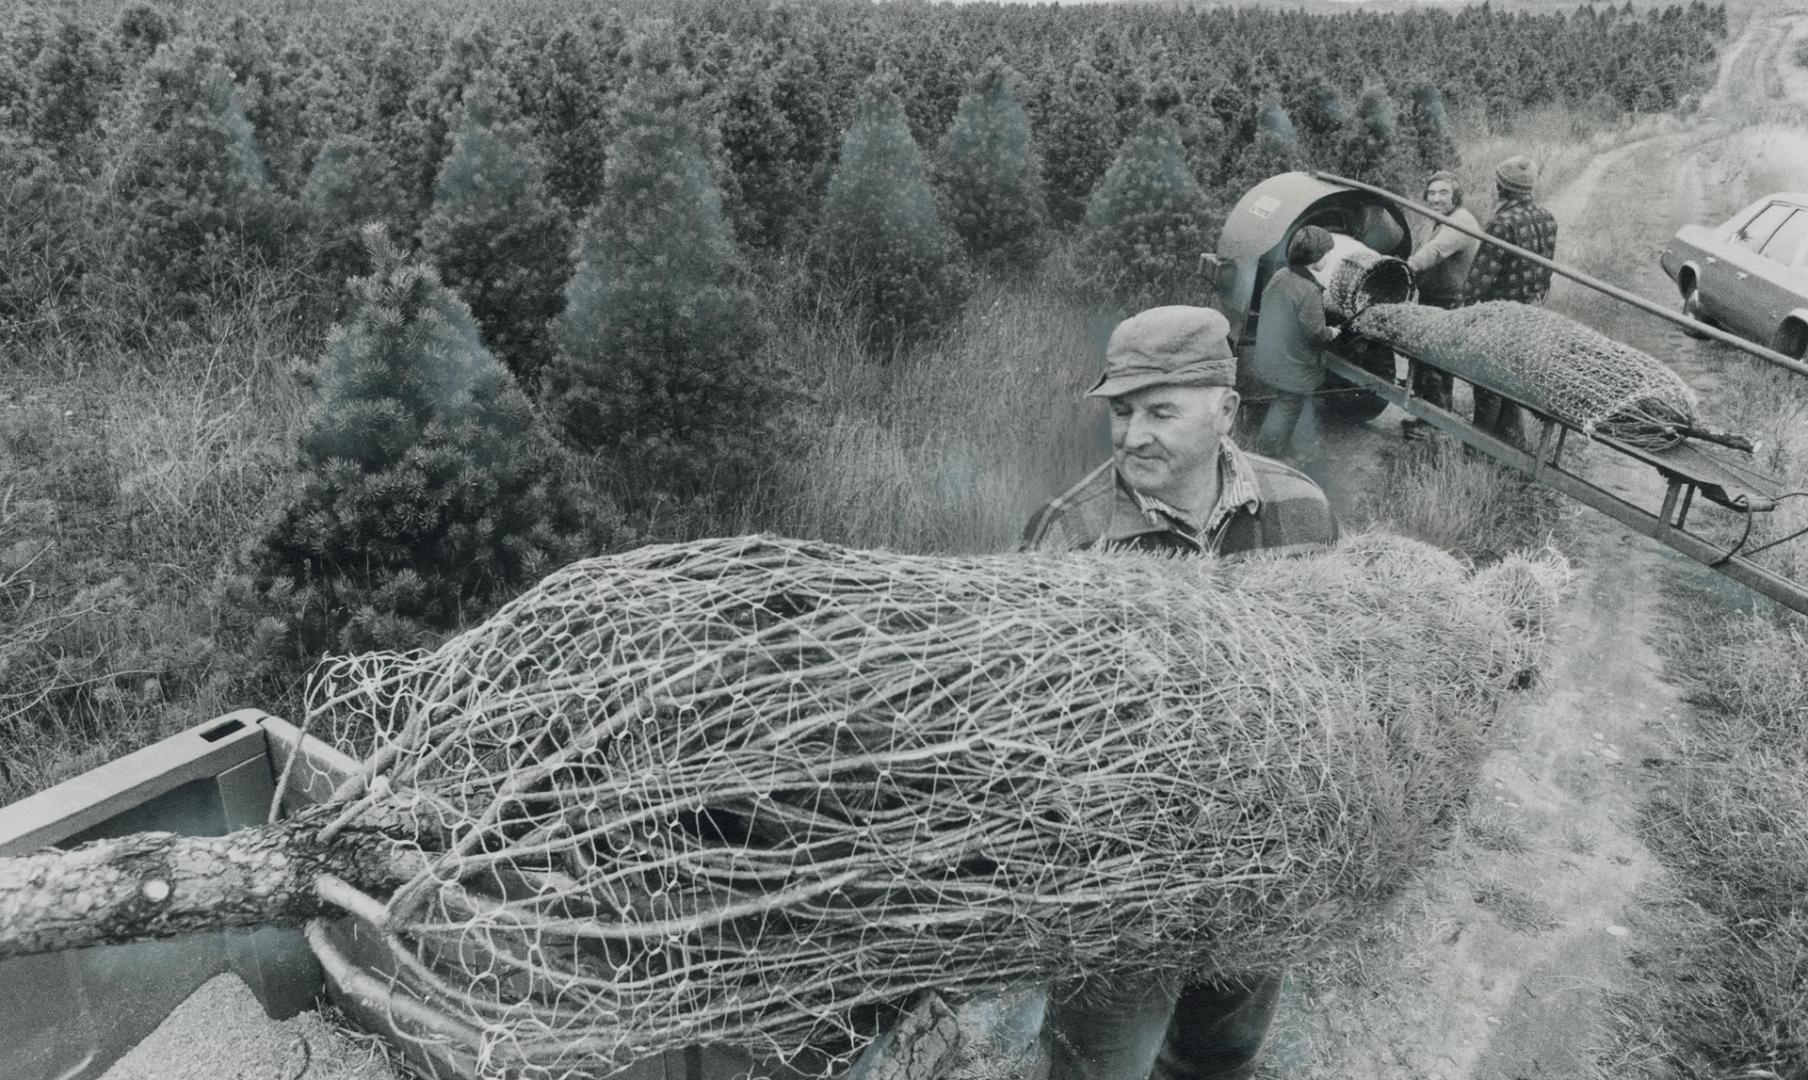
pixel 1080 132
pixel 1148 221
pixel 566 102
pixel 1373 149
pixel 349 186
pixel 47 232
pixel 190 183
pixel 434 105
pixel 69 81
pixel 776 131
pixel 990 175
pixel 141 30
pixel 1431 133
pixel 657 348
pixel 1273 149
pixel 880 249
pixel 395 132
pixel 497 235
pixel 1323 119
pixel 428 493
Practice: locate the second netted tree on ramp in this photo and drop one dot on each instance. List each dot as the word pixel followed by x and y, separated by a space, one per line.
pixel 1547 361
pixel 744 792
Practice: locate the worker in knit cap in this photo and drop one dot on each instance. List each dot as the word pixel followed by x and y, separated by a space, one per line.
pixel 1440 268
pixel 1290 339
pixel 1498 274
pixel 1177 483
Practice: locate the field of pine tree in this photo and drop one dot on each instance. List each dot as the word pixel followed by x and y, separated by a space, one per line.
pixel 331 326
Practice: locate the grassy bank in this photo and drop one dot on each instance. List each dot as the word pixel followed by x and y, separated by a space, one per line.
pixel 1723 990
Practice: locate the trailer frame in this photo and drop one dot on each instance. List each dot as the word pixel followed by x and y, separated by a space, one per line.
pixel 1687 470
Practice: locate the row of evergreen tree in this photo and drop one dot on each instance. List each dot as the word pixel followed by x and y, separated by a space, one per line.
pixel 782 79
pixel 610 283
pixel 424 450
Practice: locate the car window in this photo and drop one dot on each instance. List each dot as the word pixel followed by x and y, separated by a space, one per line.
pixel 1783 243
pixel 1760 228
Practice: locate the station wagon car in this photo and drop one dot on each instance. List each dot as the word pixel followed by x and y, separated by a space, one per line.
pixel 1750 275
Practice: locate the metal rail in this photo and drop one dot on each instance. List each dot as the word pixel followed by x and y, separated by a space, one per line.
pixel 1693 326
pixel 1544 465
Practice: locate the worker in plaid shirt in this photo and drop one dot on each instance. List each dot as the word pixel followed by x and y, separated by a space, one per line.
pixel 1501 275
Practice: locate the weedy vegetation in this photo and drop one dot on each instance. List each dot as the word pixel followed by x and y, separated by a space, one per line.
pixel 1721 988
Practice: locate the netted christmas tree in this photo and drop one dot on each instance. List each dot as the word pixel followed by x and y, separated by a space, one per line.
pixel 880 250
pixel 658 350
pixel 496 234
pixel 428 495
pixel 190 183
pixel 1149 220
pixel 990 174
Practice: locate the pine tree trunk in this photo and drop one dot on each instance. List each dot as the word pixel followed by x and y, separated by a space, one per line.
pixel 159 885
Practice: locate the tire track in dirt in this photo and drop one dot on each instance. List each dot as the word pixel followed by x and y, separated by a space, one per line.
pixel 1791 76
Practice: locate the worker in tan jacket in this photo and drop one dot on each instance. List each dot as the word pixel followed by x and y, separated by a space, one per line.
pixel 1440 269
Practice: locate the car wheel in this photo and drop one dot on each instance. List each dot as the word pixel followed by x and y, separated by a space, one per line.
pixel 1691 306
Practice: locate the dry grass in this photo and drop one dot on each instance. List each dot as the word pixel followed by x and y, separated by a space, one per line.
pixel 1516 908
pixel 1440 493
pixel 134 476
pixel 1493 829
pixel 1722 992
pixel 1725 989
pixel 1578 840
pixel 953 446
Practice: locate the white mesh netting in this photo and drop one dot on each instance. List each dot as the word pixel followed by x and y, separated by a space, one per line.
pixel 749 791
pixel 1356 277
pixel 1548 361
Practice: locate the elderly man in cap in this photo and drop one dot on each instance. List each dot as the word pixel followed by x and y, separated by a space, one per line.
pixel 1440 268
pixel 1175 482
pixel 1501 275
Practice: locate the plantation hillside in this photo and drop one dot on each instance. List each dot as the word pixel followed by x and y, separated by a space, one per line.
pixel 330 327
pixel 304 121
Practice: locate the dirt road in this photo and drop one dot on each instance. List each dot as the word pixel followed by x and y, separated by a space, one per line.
pixel 1500 964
